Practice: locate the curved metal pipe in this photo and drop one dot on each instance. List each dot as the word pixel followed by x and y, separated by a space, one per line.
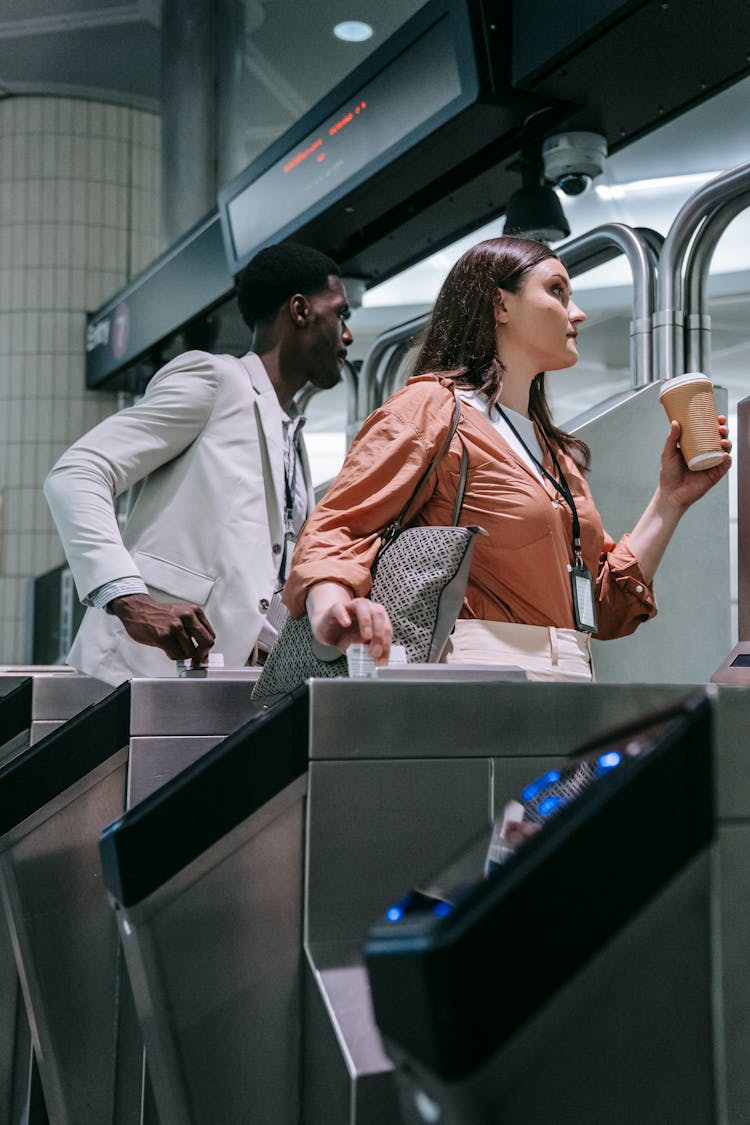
pixel 373 363
pixel 695 281
pixel 601 245
pixel 669 315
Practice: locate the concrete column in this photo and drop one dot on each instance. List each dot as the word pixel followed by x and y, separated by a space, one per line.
pixel 204 104
pixel 79 191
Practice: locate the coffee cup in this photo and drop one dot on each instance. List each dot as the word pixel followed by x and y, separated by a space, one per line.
pixel 689 400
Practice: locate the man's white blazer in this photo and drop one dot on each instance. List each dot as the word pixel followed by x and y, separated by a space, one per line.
pixel 206 440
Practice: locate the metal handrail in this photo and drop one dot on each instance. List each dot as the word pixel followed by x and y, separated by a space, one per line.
pixel 669 316
pixel 376 357
pixel 697 334
pixel 601 245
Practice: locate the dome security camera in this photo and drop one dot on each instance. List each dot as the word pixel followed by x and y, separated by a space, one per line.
pixel 572 160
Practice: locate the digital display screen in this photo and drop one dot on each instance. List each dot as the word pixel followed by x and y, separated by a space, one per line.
pixel 412 92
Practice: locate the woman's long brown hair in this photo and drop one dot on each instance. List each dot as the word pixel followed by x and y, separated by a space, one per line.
pixel 459 341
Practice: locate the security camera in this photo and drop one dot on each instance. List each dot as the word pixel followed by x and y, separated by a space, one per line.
pixel 572 160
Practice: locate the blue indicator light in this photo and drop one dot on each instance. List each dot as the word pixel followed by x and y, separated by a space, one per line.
pixel 441 909
pixel 530 792
pixel 609 761
pixel 549 804
pixel 395 914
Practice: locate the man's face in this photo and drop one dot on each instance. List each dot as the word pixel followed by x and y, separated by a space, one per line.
pixel 329 336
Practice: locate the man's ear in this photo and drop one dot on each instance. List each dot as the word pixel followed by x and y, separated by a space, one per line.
pixel 299 309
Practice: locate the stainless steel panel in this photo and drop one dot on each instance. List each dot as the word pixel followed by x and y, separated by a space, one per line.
pixel 59 697
pixel 375 827
pixel 731 726
pixel 352 719
pixel 40 730
pixel 11 1008
pixel 677 646
pixel 732 895
pixel 215 962
pixel 328 1090
pixel 65 943
pixel 155 761
pixel 184 705
pixel 351 1079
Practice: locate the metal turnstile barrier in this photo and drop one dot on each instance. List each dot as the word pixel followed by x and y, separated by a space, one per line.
pixel 253 998
pixel 58 796
pixel 205 876
pixel 401 776
pixel 33 702
pixel 400 758
pixel 535 978
pixel 65 946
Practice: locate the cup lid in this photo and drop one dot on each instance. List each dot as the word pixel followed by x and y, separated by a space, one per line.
pixel 681 380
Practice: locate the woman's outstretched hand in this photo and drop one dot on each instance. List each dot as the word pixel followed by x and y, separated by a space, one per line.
pixel 678 488
pixel 339 620
pixel 681 485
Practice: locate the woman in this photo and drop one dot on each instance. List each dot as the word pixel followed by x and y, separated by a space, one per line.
pixel 546 576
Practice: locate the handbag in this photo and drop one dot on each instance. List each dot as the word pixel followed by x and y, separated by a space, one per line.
pixel 419 576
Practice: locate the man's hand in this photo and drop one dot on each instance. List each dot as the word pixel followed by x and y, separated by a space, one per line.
pixel 179 629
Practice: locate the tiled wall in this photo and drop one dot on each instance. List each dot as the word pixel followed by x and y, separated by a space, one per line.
pixel 79 216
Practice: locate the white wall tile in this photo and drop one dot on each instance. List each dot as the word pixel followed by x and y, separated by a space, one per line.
pixel 66 173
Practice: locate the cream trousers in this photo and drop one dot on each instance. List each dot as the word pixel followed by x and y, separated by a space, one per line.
pixel 544 652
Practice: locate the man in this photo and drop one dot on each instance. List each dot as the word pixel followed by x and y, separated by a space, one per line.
pixel 226 487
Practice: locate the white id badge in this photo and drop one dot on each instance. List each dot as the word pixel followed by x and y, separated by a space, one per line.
pixel 583 599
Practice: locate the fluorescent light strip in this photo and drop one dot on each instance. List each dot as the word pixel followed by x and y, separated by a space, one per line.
pixel 661 183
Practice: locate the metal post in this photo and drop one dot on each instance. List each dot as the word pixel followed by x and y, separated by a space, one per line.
pixel 670 301
pixel 742 446
pixel 698 323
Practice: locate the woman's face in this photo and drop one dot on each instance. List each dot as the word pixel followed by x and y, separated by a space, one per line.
pixel 539 324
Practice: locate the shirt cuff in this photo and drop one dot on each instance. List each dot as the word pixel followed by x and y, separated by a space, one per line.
pixel 103 595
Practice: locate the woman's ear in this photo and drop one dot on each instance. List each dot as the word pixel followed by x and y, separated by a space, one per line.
pixel 501 312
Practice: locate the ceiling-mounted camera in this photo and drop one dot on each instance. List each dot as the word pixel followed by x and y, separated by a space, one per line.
pixel 572 160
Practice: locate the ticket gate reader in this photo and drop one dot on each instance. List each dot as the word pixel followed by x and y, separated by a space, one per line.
pixel 563 973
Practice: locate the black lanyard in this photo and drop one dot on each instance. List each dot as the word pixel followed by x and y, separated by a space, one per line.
pixel 560 485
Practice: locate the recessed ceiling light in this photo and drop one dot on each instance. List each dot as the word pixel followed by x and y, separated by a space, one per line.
pixel 352 31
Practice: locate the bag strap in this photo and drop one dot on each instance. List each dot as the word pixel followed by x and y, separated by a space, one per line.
pixel 395 526
pixel 461 484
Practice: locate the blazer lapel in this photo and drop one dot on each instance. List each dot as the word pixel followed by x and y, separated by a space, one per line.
pixel 270 441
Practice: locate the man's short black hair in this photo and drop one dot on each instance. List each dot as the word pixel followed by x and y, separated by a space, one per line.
pixel 277 273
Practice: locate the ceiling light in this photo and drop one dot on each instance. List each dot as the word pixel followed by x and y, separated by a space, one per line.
pixel 353 31
pixel 661 183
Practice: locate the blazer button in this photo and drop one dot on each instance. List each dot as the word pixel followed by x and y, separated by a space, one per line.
pixel 263 605
pixel 276 548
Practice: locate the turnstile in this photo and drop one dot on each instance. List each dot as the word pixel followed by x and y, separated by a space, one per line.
pixel 560 968
pixel 33 702
pixel 425 767
pixel 58 795
pixel 205 876
pixel 55 797
pixel 400 776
